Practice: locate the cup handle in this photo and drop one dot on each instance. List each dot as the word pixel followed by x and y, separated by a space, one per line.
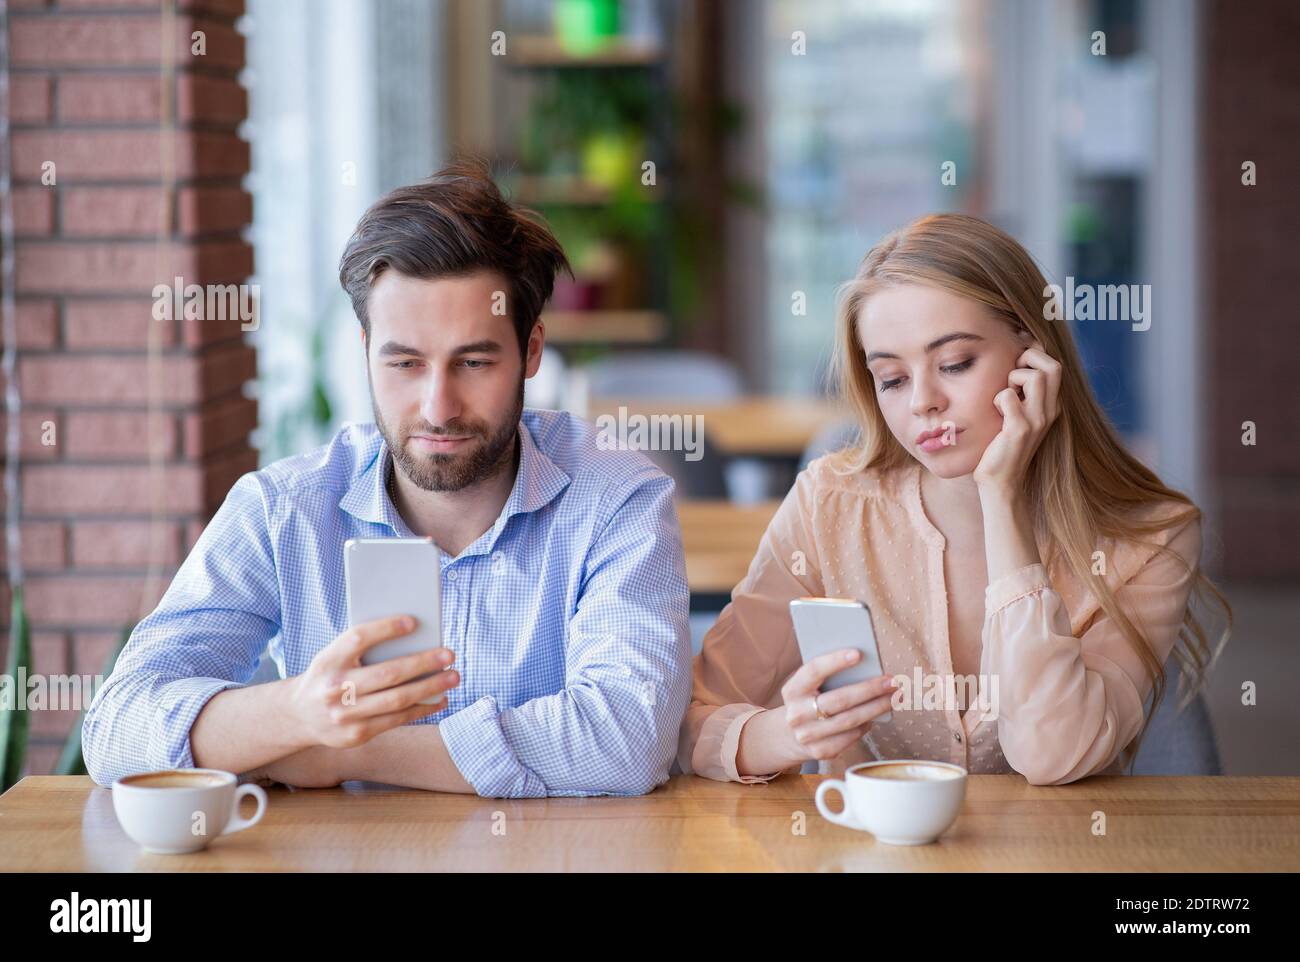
pixel 839 818
pixel 238 823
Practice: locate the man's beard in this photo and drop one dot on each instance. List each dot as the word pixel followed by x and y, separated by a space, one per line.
pixel 433 471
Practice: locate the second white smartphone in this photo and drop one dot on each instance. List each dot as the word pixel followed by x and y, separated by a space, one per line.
pixel 395 576
pixel 823 625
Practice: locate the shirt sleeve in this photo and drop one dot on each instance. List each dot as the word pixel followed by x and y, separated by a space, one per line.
pixel 612 728
pixel 1068 706
pixel 206 635
pixel 751 649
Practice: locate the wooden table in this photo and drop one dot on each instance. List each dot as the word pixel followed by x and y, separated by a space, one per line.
pixel 755 426
pixel 66 823
pixel 719 539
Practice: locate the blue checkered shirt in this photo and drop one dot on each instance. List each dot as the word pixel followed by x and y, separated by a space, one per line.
pixel 568 617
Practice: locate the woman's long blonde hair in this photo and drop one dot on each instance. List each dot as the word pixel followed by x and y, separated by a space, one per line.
pixel 1082 484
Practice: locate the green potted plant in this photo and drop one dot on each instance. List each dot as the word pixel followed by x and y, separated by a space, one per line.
pixel 13 716
pixel 584 26
pixel 71 761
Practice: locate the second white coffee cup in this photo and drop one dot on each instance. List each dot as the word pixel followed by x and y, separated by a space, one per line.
pixel 901 802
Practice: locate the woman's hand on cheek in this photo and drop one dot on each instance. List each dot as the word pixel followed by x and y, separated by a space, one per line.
pixel 1002 468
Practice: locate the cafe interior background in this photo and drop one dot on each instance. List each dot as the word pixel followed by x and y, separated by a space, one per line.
pixel 785 136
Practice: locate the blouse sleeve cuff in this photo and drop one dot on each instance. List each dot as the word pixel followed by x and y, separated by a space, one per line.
pixel 1013 586
pixel 719 742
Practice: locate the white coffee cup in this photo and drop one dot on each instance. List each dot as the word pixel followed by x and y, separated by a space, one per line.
pixel 902 802
pixel 182 810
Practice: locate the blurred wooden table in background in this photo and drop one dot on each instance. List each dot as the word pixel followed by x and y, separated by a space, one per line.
pixel 719 539
pixel 753 426
pixel 1186 824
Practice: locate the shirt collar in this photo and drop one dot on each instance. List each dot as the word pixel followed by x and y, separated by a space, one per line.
pixel 537 482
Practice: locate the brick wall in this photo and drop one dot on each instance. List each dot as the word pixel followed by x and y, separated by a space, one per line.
pixel 89 93
pixel 1250 89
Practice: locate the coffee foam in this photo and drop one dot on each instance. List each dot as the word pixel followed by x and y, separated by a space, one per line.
pixel 907 772
pixel 174 780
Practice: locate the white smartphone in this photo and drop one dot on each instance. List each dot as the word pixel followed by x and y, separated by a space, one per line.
pixel 395 576
pixel 823 625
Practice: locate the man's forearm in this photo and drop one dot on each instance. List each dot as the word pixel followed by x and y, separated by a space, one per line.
pixel 240 729
pixel 414 756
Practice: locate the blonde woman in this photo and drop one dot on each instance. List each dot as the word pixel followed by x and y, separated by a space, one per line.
pixel 993 523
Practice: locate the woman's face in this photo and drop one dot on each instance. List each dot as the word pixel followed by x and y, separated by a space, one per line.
pixel 937 360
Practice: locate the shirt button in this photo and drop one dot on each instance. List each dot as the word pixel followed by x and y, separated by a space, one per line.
pixel 451 575
pixel 956 736
pixel 497 557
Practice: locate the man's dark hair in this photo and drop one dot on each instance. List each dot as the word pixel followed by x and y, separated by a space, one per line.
pixel 453 224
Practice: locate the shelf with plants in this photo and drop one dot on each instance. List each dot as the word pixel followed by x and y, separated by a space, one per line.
pixel 624 327
pixel 584 109
pixel 546 51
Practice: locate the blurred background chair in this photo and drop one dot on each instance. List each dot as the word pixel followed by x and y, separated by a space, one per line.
pixel 1178 743
pixel 681 377
pixel 831 438
pixel 688 375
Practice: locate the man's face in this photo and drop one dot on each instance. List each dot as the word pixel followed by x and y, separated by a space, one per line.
pixel 446 378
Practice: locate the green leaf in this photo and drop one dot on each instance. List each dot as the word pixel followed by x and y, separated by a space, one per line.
pixel 321 411
pixel 71 761
pixel 13 719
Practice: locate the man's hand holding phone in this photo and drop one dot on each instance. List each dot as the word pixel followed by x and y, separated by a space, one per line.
pixel 340 703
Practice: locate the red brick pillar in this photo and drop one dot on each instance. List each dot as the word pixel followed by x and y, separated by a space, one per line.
pixel 1250 89
pixel 147 171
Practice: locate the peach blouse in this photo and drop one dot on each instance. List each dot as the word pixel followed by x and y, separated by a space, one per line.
pixel 1070 689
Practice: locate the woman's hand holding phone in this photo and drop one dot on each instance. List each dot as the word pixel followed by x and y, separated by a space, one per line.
pixel 779 738
pixel 849 710
pixel 340 703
